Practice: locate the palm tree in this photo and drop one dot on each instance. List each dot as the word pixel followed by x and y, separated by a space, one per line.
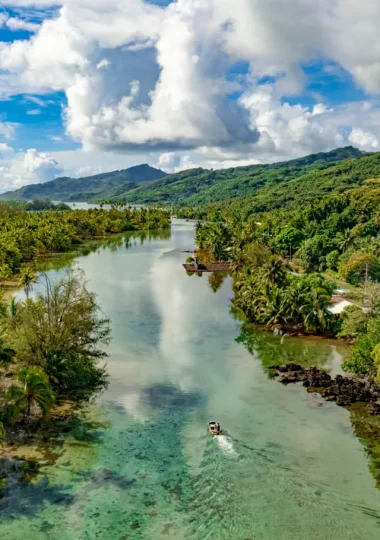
pixel 314 311
pixel 34 388
pixel 6 355
pixel 273 272
pixel 346 239
pixel 295 299
pixel 274 309
pixel 5 273
pixel 200 236
pixel 27 280
pixel 215 243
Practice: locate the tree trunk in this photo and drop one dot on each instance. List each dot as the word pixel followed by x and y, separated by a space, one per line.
pixel 29 407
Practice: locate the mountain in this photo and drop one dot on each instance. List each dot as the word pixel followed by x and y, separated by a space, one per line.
pixel 263 186
pixel 109 184
pixel 201 186
pixel 310 188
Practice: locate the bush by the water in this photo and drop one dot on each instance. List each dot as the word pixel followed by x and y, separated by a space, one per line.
pixel 52 344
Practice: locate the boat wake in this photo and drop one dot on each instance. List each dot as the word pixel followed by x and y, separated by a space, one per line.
pixel 226 445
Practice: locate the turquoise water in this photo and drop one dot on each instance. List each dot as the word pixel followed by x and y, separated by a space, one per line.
pixel 139 462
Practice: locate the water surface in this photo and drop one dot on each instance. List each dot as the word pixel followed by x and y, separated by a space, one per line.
pixel 139 462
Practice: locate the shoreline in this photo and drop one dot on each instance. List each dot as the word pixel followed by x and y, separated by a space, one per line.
pixel 11 285
pixel 344 391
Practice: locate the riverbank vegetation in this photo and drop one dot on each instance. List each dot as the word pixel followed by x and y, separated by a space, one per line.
pixel 281 259
pixel 51 347
pixel 24 236
pixel 265 290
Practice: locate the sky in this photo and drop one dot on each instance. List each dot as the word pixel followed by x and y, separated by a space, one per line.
pixel 88 86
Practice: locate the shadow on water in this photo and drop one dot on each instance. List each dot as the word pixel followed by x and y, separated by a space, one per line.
pixel 21 497
pixel 23 486
pixel 279 350
pixel 162 396
pixel 147 462
pixel 367 430
pixel 113 244
pixel 274 350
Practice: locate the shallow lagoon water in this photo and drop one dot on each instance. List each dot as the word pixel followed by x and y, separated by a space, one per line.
pixel 141 464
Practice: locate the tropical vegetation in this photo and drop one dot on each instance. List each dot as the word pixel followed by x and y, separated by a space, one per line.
pixel 284 267
pixel 26 235
pixel 51 345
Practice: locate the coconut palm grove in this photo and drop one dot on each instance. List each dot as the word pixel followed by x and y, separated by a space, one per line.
pixel 189 270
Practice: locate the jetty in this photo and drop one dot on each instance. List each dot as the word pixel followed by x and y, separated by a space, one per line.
pixel 207 267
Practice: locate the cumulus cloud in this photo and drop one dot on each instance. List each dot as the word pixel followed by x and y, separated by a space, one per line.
pixel 18 169
pixel 13 23
pixel 143 77
pixel 16 24
pixel 363 139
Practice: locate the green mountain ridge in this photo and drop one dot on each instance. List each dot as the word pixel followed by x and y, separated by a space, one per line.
pixel 84 189
pixel 252 189
pixel 196 187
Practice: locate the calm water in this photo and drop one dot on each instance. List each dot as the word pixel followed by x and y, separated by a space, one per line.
pixel 140 464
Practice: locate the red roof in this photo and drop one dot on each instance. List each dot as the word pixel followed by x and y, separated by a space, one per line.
pixel 337 299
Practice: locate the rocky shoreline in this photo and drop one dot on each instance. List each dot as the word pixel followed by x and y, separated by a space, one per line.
pixel 344 391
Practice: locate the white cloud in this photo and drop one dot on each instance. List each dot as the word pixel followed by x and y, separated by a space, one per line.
pixel 5 149
pixel 363 139
pixel 33 112
pixel 13 23
pixel 103 63
pixel 16 24
pixel 168 80
pixel 18 169
pixel 7 130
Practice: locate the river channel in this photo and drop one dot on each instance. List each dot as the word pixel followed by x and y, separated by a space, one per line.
pixel 139 462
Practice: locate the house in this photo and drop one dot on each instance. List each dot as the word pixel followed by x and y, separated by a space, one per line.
pixel 338 304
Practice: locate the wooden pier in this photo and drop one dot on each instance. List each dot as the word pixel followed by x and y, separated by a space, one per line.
pixel 208 267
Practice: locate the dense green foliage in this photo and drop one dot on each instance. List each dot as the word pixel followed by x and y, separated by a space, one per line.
pixel 38 205
pixel 103 185
pixel 248 184
pixel 310 188
pixel 51 344
pixel 363 328
pixel 337 233
pixel 25 235
pixel 265 290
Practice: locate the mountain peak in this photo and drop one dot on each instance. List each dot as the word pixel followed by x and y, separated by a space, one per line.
pixel 83 189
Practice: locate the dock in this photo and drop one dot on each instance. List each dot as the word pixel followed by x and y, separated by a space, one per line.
pixel 208 267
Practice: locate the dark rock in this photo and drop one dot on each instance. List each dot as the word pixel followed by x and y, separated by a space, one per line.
pixel 282 369
pixel 344 390
pixel 291 367
pixel 289 378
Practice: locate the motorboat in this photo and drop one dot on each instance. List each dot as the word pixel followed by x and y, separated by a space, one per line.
pixel 214 428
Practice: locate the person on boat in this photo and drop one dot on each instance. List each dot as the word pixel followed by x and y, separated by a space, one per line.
pixel 214 427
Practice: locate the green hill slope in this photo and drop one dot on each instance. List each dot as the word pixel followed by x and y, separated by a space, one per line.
pixel 200 186
pixel 84 189
pixel 306 189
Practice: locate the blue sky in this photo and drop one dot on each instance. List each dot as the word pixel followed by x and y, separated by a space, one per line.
pixel 111 83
